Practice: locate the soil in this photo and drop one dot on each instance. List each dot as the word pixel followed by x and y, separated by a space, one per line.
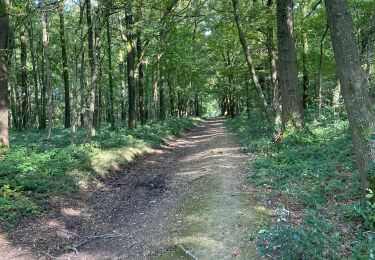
pixel 185 200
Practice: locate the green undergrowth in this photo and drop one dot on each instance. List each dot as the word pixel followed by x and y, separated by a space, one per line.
pixel 312 183
pixel 33 170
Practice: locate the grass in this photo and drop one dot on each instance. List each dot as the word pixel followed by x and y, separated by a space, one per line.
pixel 313 186
pixel 34 170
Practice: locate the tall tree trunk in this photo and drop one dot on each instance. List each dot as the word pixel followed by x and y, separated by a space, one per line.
pixel 65 70
pixel 130 61
pixel 47 71
pixel 35 74
pixel 123 87
pixel 91 131
pixel 355 88
pixel 248 57
pixel 291 99
pixel 24 82
pixel 43 99
pixel 81 68
pixel 82 87
pixel 305 72
pixel 156 87
pixel 4 102
pixel 320 72
pixel 141 79
pixel 110 78
pixel 272 67
pixel 77 73
pixel 162 106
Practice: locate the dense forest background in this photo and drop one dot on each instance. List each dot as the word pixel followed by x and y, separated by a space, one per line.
pixel 78 78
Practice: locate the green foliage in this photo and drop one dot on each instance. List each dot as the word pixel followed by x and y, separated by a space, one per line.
pixel 33 170
pixel 316 172
pixel 316 238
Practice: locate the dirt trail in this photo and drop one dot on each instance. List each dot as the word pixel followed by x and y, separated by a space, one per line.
pixel 186 198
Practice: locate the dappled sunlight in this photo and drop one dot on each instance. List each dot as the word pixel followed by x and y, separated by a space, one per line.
pixel 107 161
pixel 200 241
pixel 131 210
pixel 71 212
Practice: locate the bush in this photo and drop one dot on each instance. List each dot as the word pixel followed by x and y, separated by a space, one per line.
pixel 316 172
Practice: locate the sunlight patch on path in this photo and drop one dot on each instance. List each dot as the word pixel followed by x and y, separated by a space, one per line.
pixel 218 216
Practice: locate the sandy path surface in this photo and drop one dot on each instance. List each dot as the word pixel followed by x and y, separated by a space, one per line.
pixel 187 194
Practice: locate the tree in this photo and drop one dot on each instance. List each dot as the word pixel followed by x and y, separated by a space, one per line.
pixel 354 87
pixel 4 102
pixel 130 61
pixel 47 70
pixel 91 130
pixel 24 81
pixel 291 99
pixel 249 60
pixel 65 70
pixel 110 77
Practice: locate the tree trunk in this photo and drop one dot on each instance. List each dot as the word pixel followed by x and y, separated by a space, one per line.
pixel 24 82
pixel 47 71
pixel 291 99
pixel 123 87
pixel 272 67
pixel 43 99
pixel 91 131
pixel 77 73
pixel 162 107
pixel 354 87
pixel 130 61
pixel 320 72
pixel 110 77
pixel 248 57
pixel 156 87
pixel 141 79
pixel 65 70
pixel 305 72
pixel 35 75
pixel 4 102
pixel 82 86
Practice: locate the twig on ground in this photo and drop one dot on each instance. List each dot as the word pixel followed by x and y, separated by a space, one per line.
pixel 70 232
pixel 188 252
pixel 53 257
pixel 88 238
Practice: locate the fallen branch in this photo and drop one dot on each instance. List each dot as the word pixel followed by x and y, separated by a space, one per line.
pixel 88 238
pixel 188 252
pixel 70 232
pixel 53 257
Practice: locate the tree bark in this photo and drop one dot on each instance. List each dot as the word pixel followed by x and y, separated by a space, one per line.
pixel 141 79
pixel 91 130
pixel 156 87
pixel 272 67
pixel 24 82
pixel 77 73
pixel 65 70
pixel 110 77
pixel 47 71
pixel 248 57
pixel 305 72
pixel 35 75
pixel 354 87
pixel 130 61
pixel 4 102
pixel 320 72
pixel 291 99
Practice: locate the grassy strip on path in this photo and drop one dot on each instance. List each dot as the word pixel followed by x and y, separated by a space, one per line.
pixel 313 188
pixel 33 170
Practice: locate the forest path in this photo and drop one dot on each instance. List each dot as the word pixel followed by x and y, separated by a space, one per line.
pixel 186 198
